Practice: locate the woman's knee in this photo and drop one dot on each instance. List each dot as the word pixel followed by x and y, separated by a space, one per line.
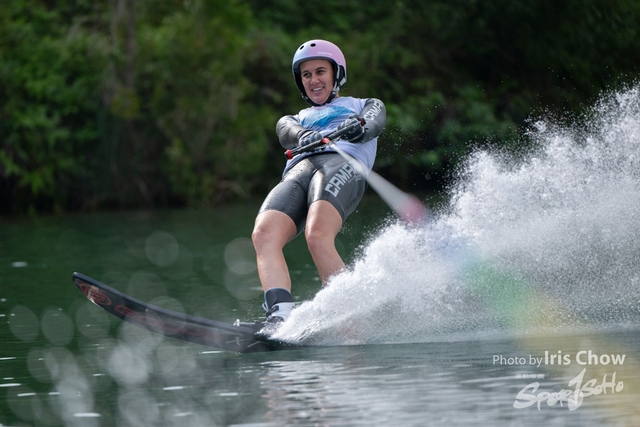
pixel 319 239
pixel 312 237
pixel 259 236
pixel 272 229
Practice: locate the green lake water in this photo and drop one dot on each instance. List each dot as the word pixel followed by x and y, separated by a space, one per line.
pixel 65 362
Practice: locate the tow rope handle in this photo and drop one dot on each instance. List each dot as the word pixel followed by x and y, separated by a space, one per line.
pixel 290 154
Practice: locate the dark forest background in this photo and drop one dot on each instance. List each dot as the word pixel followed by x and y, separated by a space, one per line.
pixel 124 104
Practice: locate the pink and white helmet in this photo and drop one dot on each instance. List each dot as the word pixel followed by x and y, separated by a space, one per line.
pixel 320 49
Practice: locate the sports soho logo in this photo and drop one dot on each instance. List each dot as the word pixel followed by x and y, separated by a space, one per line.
pixel 578 388
pixel 573 396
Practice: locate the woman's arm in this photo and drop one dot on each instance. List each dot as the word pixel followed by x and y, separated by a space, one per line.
pixel 289 131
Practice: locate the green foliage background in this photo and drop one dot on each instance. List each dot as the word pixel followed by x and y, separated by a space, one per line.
pixel 146 103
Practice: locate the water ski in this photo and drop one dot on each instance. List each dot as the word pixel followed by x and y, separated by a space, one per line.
pixel 238 337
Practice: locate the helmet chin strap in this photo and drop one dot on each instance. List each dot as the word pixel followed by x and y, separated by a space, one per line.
pixel 329 99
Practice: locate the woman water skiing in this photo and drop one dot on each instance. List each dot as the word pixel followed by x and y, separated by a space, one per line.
pixel 319 189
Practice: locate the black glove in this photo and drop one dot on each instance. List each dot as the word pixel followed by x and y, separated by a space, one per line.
pixel 356 134
pixel 309 137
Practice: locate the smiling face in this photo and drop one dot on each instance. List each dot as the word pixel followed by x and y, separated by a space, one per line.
pixel 317 79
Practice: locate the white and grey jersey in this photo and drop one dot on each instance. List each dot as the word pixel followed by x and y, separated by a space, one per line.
pixel 326 118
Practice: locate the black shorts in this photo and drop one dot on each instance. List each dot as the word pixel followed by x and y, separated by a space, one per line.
pixel 324 176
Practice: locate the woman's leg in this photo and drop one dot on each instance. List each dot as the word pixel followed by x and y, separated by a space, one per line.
pixel 272 231
pixel 323 224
